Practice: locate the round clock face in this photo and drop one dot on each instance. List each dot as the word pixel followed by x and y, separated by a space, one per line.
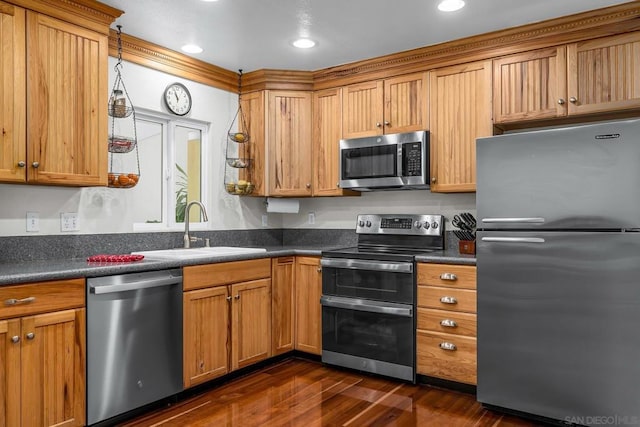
pixel 177 98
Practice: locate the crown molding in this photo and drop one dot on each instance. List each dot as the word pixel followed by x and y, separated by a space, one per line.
pixel 277 80
pixel 587 25
pixel 90 14
pixel 156 57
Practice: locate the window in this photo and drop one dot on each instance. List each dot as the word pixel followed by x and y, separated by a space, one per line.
pixel 174 170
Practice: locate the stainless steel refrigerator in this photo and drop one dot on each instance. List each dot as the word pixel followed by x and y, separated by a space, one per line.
pixel 558 257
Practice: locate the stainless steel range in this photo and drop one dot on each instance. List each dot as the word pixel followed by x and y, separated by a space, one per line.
pixel 369 294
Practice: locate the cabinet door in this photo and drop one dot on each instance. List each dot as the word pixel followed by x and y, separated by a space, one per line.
pixel 289 140
pixel 460 113
pixel 66 103
pixel 10 372
pixel 282 276
pixel 53 369
pixel 308 288
pixel 604 74
pixel 13 149
pixel 250 322
pixel 255 149
pixel 362 110
pixel 530 85
pixel 406 103
pixel 206 334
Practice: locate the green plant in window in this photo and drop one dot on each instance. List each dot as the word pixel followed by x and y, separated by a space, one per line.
pixel 181 193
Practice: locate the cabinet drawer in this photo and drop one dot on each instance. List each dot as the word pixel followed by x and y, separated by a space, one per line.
pixel 437 297
pixel 41 297
pixel 458 364
pixel 455 276
pixel 225 273
pixel 449 322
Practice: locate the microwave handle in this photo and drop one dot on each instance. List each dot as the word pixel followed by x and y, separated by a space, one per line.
pixel 356 264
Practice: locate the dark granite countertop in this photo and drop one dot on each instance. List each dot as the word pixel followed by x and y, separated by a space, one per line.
pixel 36 271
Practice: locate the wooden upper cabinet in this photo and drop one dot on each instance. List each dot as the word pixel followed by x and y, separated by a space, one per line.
pixel 604 74
pixel 13 149
pixel 460 113
pixel 66 103
pixel 405 103
pixel 362 110
pixel 289 141
pixel 393 105
pixel 327 132
pixel 530 85
pixel 253 108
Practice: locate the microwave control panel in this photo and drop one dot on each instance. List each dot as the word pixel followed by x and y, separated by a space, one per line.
pixel 412 159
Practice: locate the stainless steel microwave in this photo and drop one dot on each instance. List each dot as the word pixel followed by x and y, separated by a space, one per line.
pixel 385 162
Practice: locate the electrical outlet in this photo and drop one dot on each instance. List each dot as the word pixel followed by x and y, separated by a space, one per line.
pixel 33 221
pixel 69 221
pixel 312 217
pixel 265 220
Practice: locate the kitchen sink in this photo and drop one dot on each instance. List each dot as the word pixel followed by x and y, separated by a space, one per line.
pixel 203 252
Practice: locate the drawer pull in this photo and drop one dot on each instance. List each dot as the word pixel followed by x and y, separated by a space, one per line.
pixel 13 301
pixel 448 323
pixel 448 300
pixel 448 276
pixel 449 346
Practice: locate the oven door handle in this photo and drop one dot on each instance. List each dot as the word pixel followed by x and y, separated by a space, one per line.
pixel 367 306
pixel 358 264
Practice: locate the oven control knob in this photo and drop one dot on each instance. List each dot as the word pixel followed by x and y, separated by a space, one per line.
pixel 368 223
pixel 426 225
pixel 361 223
pixel 418 224
pixel 434 225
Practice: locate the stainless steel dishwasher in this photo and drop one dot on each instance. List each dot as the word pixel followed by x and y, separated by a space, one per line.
pixel 134 341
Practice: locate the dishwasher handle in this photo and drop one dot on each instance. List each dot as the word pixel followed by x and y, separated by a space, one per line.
pixel 133 286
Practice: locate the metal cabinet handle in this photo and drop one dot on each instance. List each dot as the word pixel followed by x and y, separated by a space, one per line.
pixel 35 164
pixel 308 185
pixel 30 336
pixel 15 339
pixel 433 179
pixel 387 123
pixel 448 323
pixel 319 269
pixel 237 296
pixel 229 298
pixel 337 185
pixel 13 301
pixel 561 101
pixel 378 124
pixel 21 164
pixel 449 276
pixel 448 300
pixel 449 346
pixel 573 100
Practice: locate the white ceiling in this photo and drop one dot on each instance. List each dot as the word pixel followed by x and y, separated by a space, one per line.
pixel 256 34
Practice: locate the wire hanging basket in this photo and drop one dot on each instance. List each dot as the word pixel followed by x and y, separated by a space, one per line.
pixel 121 110
pixel 237 166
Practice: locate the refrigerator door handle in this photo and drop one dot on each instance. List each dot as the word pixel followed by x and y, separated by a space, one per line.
pixel 513 239
pixel 529 220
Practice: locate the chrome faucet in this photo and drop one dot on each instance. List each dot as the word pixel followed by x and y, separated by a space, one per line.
pixel 188 239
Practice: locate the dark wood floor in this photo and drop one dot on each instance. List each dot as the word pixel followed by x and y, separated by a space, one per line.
pixel 304 393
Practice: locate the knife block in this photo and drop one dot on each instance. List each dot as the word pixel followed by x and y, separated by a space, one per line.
pixel 467 247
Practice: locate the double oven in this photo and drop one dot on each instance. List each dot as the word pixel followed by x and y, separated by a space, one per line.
pixel 369 294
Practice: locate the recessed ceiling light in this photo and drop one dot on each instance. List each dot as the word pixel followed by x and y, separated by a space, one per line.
pixel 450 5
pixel 209 0
pixel 304 43
pixel 191 48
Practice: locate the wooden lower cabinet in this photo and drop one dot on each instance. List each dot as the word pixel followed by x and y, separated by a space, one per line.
pixel 446 334
pixel 308 290
pixel 42 357
pixel 282 304
pixel 227 325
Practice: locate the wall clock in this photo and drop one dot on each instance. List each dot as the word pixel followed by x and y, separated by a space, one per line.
pixel 177 98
